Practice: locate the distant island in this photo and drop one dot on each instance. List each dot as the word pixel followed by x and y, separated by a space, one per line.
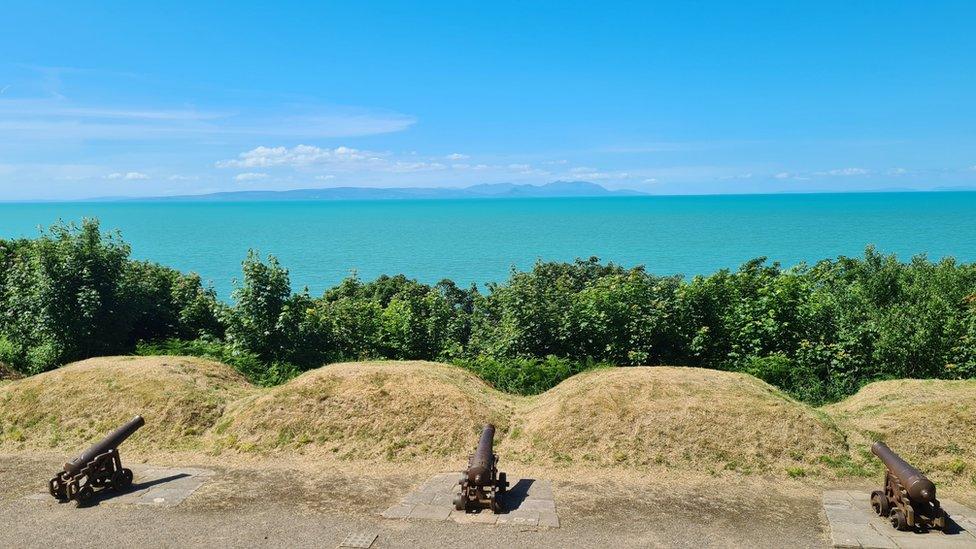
pixel 555 189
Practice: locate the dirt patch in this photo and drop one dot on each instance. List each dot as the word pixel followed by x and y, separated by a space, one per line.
pixel 71 407
pixel 930 423
pixel 686 418
pixel 395 411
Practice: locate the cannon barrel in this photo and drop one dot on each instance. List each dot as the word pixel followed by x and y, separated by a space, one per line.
pixel 112 440
pixel 479 471
pixel 919 487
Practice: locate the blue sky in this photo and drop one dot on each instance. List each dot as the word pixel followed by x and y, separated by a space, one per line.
pixel 680 97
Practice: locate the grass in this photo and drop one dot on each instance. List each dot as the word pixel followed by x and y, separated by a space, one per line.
pixel 930 423
pixel 686 417
pixel 626 418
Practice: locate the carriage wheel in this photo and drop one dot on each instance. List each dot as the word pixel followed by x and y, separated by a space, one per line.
pixel 122 479
pixel 898 519
pixel 460 502
pixel 84 494
pixel 879 502
pixel 58 489
pixel 502 483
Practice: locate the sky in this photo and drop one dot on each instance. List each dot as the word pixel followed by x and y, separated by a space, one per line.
pixel 125 99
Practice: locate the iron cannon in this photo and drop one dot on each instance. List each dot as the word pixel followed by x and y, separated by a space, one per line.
pixel 908 498
pixel 98 467
pixel 481 483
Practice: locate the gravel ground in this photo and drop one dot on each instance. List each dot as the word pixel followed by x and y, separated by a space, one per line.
pixel 274 506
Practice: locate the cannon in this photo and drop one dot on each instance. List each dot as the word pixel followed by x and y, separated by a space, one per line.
pixel 98 467
pixel 481 483
pixel 908 498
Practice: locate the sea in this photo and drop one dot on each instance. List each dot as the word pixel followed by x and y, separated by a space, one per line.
pixel 482 240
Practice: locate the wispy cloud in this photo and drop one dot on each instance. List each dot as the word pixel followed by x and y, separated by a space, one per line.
pixel 127 176
pixel 59 119
pixel 250 176
pixel 457 156
pixel 845 172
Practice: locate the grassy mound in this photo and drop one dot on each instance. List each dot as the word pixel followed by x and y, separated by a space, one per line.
pixel 374 410
pixel 930 423
pixel 687 418
pixel 73 406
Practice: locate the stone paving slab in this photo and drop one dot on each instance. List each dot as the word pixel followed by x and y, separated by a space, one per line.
pixel 151 486
pixel 359 540
pixel 528 503
pixel 853 523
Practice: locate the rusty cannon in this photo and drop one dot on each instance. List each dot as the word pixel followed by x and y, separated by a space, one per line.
pixel 481 483
pixel 908 498
pixel 98 467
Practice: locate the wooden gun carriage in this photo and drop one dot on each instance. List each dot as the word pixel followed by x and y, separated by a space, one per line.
pixel 97 468
pixel 481 483
pixel 908 498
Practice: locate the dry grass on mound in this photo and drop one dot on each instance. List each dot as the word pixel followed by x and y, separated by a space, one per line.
pixel 73 406
pixel 930 423
pixel 375 410
pixel 693 418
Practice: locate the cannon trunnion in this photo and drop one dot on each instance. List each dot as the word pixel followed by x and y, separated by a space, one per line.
pixel 481 483
pixel 97 468
pixel 908 498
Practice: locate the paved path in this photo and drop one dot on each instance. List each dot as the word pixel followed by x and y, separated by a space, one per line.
pixel 270 505
pixel 853 523
pixel 528 502
pixel 157 486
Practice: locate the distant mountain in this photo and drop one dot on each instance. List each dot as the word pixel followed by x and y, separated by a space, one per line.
pixel 488 190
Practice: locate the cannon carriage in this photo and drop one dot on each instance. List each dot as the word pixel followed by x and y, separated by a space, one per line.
pixel 481 483
pixel 97 468
pixel 908 499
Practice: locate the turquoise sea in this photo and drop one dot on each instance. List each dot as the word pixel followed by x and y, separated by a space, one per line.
pixel 480 240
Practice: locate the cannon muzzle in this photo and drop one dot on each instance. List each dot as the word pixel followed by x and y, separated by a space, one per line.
pixel 111 441
pixel 479 471
pixel 919 487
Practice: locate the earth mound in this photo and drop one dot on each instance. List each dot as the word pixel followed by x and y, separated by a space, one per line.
pixel 930 423
pixel 76 405
pixel 690 418
pixel 396 411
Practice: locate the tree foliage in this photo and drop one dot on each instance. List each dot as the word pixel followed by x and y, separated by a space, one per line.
pixel 819 332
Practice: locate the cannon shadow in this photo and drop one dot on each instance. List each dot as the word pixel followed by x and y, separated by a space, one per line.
pixel 105 495
pixel 516 495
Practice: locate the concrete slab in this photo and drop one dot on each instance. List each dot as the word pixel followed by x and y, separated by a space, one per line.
pixel 853 523
pixel 359 540
pixel 151 486
pixel 426 511
pixel 528 503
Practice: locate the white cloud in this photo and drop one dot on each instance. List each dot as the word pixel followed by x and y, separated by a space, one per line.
pixel 650 180
pixel 299 156
pixel 324 177
pixel 897 171
pixel 457 156
pixel 127 176
pixel 593 174
pixel 178 177
pixel 783 175
pixel 250 176
pixel 845 172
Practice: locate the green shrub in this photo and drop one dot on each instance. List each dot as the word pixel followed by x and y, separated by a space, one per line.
pixel 818 332
pixel 525 376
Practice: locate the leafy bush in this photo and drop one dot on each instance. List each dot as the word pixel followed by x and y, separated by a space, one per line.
pixel 249 364
pixel 818 332
pixel 526 376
